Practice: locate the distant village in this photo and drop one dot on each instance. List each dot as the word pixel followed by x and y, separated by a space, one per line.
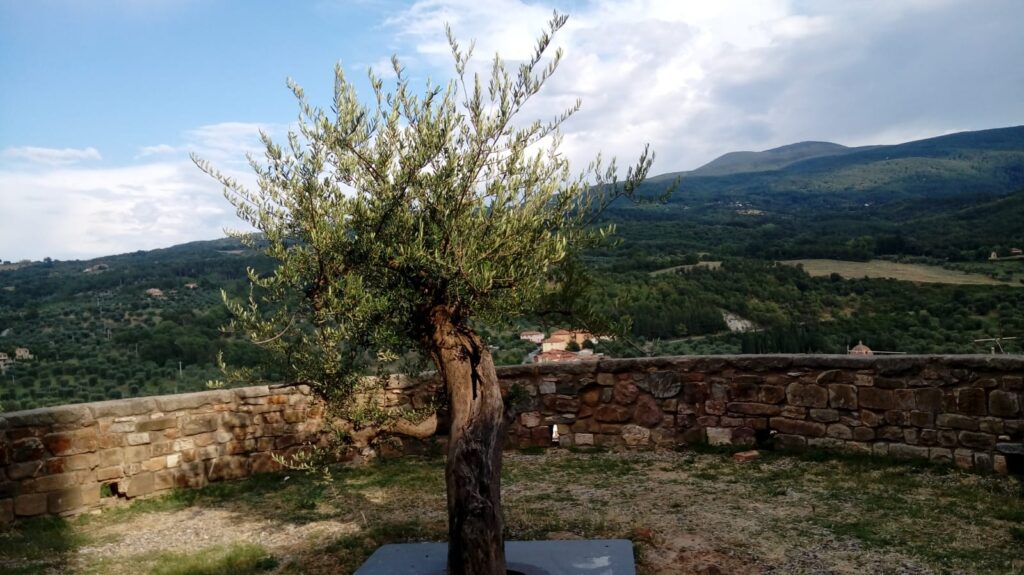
pixel 561 346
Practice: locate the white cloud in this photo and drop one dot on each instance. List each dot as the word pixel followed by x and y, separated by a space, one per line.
pixel 157 150
pixel 51 156
pixel 699 79
pixel 79 212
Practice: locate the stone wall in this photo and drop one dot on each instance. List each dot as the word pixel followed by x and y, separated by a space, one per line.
pixel 965 410
pixel 72 458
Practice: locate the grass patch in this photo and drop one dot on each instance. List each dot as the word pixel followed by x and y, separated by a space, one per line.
pixel 899 271
pixel 934 518
pixel 238 559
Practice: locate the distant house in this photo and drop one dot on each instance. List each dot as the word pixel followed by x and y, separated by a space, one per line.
pixel 554 344
pixel 191 285
pixel 5 360
pixel 1016 252
pixel 560 339
pixel 555 356
pixel 155 292
pixel 860 349
pixel 532 336
pixel 22 354
pixel 96 269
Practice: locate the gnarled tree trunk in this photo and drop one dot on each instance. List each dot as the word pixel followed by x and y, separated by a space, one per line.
pixel 473 470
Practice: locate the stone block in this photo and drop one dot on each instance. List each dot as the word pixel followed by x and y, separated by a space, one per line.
pixel 928 437
pixel 863 434
pixel 228 467
pixel 889 383
pixel 154 463
pixel 963 458
pixel 797 427
pixel 547 387
pixel 530 419
pixel 1013 383
pixel 110 457
pixel 905 399
pixel 971 401
pixel 123 407
pixel 928 399
pixel 157 424
pixel 635 435
pixel 137 438
pixel 922 418
pixel 50 482
pixel 956 421
pixel 136 453
pixel 27 449
pixel 982 441
pixel 718 435
pixel 743 391
pixel 560 403
pixel 661 384
pixel 890 433
pixel 874 398
pixel 605 379
pixel 753 408
pixel 903 451
pixel 82 461
pixel 1003 403
pixel 6 511
pixel 200 424
pixel 64 500
pixel 695 392
pixel 771 394
pixel 839 431
pixel 583 439
pixel 991 425
pixel 613 413
pixel 896 417
pixel 786 441
pixel 19 471
pixel 139 485
pixel 793 412
pixel 591 396
pixel 252 392
pixel 30 504
pixel 107 473
pixel 842 396
pixel 714 407
pixel 824 415
pixel 647 412
pixel 625 393
pixel 807 395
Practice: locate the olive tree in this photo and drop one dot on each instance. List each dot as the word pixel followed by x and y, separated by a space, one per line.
pixel 405 223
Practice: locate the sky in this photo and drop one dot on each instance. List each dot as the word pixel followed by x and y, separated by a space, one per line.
pixel 102 100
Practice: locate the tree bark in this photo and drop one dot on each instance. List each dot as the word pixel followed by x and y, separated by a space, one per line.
pixel 473 470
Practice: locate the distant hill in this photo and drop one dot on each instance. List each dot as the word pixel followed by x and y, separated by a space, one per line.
pixel 774 159
pixel 986 161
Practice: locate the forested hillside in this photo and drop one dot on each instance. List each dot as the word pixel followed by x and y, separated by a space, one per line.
pixel 120 326
pixel 97 329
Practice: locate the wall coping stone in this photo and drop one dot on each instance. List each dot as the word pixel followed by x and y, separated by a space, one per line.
pixel 883 365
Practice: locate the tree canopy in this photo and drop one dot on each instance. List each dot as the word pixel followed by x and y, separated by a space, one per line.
pixel 381 215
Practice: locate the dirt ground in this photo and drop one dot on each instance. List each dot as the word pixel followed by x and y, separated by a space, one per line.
pixel 687 513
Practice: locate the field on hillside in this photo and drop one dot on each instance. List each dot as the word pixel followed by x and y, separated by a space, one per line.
pixel 893 270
